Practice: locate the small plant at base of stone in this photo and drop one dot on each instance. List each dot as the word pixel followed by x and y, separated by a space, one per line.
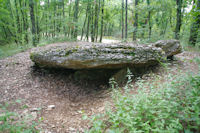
pixel 129 80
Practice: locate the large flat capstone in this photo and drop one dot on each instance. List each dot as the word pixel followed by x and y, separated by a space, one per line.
pixel 92 56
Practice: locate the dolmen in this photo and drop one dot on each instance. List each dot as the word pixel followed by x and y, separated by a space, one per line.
pixel 99 61
pixel 106 56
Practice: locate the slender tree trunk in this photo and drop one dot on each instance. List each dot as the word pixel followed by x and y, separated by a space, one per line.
pixel 178 20
pixel 49 22
pixel 60 11
pixel 95 19
pixel 105 27
pixel 26 23
pixel 122 19
pixel 165 28
pixel 12 34
pixel 14 25
pixel 102 14
pixel 46 10
pixel 143 27
pixel 69 15
pixel 18 23
pixel 54 21
pixel 92 25
pixel 149 18
pixel 76 18
pixel 58 15
pixel 136 21
pixel 32 15
pixel 86 17
pixel 195 26
pixel 99 6
pixel 88 24
pixel 25 27
pixel 83 28
pixel 63 10
pixel 170 20
pixel 126 22
pixel 6 35
pixel 37 23
pixel 110 30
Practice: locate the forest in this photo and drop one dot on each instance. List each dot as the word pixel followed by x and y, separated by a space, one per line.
pixel 99 66
pixel 30 21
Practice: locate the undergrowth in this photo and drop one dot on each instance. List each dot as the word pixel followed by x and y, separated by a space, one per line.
pixel 12 122
pixel 156 108
pixel 12 49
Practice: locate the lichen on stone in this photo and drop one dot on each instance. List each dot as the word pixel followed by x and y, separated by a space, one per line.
pixel 112 56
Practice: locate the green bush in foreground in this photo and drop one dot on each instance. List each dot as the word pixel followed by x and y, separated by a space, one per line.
pixel 11 122
pixel 167 108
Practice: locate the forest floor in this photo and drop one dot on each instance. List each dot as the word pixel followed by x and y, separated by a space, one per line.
pixel 36 89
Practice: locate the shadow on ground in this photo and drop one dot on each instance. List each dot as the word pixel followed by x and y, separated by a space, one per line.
pixel 75 85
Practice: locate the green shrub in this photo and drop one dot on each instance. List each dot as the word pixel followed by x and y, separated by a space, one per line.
pixel 167 108
pixel 1 53
pixel 10 122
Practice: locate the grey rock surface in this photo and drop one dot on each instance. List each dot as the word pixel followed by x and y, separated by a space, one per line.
pixel 98 56
pixel 171 47
pixel 106 56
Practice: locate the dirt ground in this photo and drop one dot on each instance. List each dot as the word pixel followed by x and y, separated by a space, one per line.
pixel 38 88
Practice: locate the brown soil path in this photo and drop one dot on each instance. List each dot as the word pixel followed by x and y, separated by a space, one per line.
pixel 39 88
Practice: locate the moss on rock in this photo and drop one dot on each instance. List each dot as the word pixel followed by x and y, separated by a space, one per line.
pixel 104 56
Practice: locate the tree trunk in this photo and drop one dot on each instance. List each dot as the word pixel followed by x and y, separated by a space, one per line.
pixel 18 23
pixel 143 27
pixel 95 19
pixel 76 19
pixel 49 20
pixel 102 14
pixel 25 27
pixel 195 26
pixel 126 22
pixel 178 20
pixel 6 35
pixel 149 18
pixel 136 21
pixel 37 23
pixel 86 17
pixel 122 19
pixel 46 10
pixel 88 24
pixel 63 10
pixel 54 21
pixel 14 25
pixel 92 25
pixel 58 15
pixel 32 15
pixel 69 24
pixel 99 5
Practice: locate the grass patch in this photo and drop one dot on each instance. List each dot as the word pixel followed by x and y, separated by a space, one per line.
pixel 12 49
pixel 188 47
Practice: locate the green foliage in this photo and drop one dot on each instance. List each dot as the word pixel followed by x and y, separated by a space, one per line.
pixel 10 122
pixel 54 20
pixel 9 50
pixel 169 107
